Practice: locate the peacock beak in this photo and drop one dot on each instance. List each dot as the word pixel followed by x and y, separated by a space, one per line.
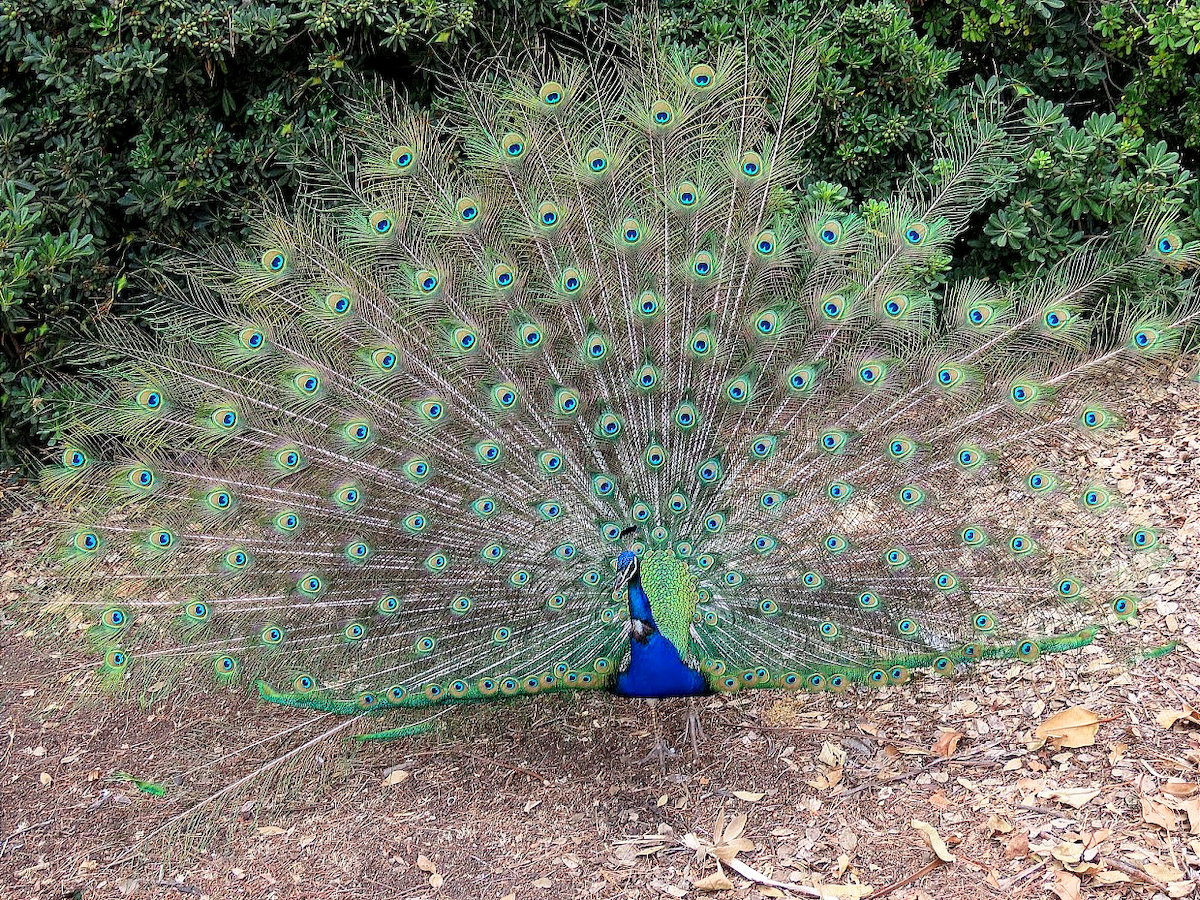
pixel 624 576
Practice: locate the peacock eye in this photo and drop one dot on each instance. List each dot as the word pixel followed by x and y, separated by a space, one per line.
pixel 402 157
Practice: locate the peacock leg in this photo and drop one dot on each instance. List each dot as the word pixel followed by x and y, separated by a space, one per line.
pixel 693 730
pixel 660 750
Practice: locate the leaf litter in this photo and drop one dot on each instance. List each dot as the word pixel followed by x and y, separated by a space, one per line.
pixel 1068 778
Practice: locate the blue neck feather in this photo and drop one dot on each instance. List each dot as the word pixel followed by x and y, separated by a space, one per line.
pixel 655 666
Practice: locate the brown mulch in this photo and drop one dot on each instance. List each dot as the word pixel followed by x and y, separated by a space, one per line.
pixel 551 798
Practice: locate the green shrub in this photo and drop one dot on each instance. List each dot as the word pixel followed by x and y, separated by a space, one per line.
pixel 1100 153
pixel 144 125
pixel 1120 122
pixel 134 126
pixel 36 268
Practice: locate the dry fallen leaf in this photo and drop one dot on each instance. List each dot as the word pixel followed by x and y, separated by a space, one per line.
pixel 626 855
pixel 425 864
pixel 934 840
pixel 940 801
pixel 827 780
pixel 1156 813
pixel 1192 808
pixel 832 754
pixel 1074 727
pixel 1066 885
pixel 1179 788
pixel 1163 872
pixel 1068 852
pixel 733 830
pixel 1073 797
pixel 947 743
pixel 1168 717
pixel 1017 846
pixel 717 881
pixel 998 825
pixel 396 776
pixel 748 796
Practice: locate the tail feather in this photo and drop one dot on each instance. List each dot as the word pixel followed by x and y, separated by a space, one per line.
pixel 386 455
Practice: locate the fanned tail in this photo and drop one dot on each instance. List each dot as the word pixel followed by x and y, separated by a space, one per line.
pixel 385 457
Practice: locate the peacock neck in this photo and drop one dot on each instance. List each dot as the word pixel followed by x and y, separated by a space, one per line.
pixel 639 603
pixel 656 667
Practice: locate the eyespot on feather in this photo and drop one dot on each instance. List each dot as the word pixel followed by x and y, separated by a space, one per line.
pixel 702 77
pixel 552 94
pixel 403 158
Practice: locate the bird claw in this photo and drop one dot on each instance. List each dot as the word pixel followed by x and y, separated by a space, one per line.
pixel 693 733
pixel 660 751
pixel 693 730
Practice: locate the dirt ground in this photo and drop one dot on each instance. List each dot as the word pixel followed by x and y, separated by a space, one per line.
pixel 942 788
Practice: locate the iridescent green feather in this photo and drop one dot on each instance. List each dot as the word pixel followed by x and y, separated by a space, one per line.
pixel 383 457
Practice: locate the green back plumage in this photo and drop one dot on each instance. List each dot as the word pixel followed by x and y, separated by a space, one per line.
pixel 671 589
pixel 383 457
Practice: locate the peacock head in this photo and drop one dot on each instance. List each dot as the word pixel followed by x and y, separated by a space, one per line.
pixel 627 570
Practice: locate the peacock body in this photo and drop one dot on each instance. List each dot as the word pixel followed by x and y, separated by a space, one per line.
pixel 575 389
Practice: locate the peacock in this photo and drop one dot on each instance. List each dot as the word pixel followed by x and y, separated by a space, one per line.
pixel 578 386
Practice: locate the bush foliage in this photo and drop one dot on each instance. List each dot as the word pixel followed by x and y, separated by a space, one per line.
pixel 130 126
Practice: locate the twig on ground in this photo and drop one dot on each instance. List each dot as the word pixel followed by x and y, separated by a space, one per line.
pixel 20 831
pixel 912 773
pixel 907 880
pixel 1134 872
pixel 1008 883
pixel 1045 811
pixel 175 885
pixel 441 751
